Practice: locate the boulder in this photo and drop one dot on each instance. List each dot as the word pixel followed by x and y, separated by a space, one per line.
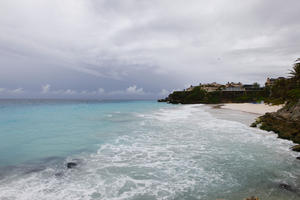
pixel 285 122
pixel 59 174
pixel 71 165
pixel 252 198
pixel 286 187
pixel 296 148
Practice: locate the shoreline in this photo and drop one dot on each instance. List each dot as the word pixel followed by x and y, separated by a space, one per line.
pixel 259 109
pixel 245 113
pixel 246 118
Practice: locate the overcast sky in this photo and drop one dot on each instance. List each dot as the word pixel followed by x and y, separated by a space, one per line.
pixel 141 48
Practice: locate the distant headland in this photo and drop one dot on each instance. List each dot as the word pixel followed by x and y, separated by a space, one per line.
pixel 282 90
pixel 213 93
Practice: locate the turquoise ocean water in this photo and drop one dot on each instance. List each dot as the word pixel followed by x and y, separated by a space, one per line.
pixel 36 129
pixel 137 150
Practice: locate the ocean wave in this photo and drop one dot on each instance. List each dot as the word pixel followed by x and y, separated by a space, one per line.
pixel 179 152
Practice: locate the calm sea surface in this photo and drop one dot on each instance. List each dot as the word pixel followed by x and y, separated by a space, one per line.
pixel 137 150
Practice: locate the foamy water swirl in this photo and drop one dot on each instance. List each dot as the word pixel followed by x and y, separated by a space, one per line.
pixel 174 153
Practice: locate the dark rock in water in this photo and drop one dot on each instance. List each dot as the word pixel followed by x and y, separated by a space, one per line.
pixel 298 158
pixel 253 125
pixel 252 198
pixel 59 174
pixel 296 148
pixel 162 100
pixel 286 187
pixel 218 106
pixel 71 165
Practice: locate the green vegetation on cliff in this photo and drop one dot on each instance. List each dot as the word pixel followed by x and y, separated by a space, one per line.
pixel 286 89
pixel 198 95
pixel 282 90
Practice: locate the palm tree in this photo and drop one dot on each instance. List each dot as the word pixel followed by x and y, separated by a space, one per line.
pixel 295 72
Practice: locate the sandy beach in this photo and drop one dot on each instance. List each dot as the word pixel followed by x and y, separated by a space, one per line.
pixel 260 109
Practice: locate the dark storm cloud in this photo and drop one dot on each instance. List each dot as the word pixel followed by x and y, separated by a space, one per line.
pixel 77 47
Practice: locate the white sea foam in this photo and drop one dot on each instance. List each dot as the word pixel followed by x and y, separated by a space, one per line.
pixel 180 152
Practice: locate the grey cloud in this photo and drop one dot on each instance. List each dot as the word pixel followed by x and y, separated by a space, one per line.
pixel 154 44
pixel 130 91
pixel 17 91
pixel 46 90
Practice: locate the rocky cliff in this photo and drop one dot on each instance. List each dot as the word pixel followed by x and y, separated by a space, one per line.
pixel 285 122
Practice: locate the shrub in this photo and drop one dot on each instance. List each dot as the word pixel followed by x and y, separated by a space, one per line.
pixel 294 94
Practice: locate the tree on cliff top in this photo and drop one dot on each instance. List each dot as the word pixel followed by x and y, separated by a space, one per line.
pixel 294 93
pixel 295 72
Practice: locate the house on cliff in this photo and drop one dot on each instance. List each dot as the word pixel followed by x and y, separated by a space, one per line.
pixel 253 87
pixel 271 81
pixel 211 87
pixel 190 88
pixel 233 89
pixel 236 87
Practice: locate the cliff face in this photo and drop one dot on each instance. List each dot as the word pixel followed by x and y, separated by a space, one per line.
pixel 285 122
